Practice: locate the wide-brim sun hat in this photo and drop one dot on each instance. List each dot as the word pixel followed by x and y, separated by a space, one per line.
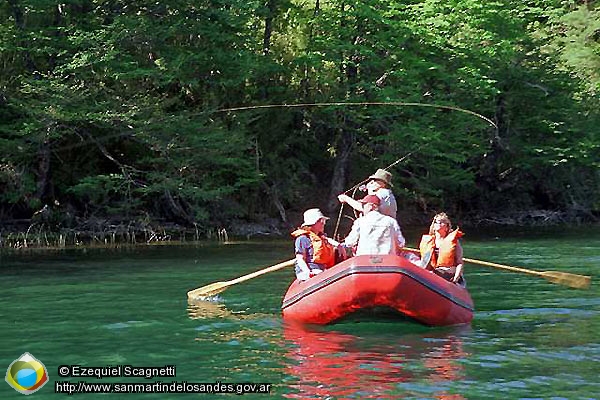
pixel 382 175
pixel 312 216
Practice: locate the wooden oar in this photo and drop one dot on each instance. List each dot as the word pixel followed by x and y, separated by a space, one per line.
pixel 218 287
pixel 561 278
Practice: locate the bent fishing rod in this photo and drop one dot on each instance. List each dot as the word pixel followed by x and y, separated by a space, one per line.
pixel 358 185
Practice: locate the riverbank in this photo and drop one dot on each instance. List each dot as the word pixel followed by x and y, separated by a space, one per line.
pixel 24 234
pixel 107 233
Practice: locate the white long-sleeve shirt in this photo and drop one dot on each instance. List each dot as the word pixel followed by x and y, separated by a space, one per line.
pixel 375 233
pixel 388 204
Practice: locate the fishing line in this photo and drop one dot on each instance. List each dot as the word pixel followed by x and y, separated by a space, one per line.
pixel 298 105
pixel 129 132
pixel 367 103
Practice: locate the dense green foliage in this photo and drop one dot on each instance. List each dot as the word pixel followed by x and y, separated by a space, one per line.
pixel 117 110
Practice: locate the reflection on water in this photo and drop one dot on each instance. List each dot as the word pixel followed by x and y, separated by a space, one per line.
pixel 205 309
pixel 219 324
pixel 326 362
pixel 333 364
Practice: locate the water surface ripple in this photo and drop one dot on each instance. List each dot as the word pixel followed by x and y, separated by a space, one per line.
pixel 530 339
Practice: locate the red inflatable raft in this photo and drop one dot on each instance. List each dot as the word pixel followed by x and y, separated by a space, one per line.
pixel 377 283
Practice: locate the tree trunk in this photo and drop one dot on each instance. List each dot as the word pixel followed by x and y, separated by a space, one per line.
pixel 305 82
pixel 268 27
pixel 274 195
pixel 176 209
pixel 340 169
pixel 43 170
pixel 489 168
pixel 20 24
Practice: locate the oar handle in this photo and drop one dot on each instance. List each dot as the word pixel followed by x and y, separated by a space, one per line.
pixel 491 264
pixel 561 278
pixel 411 249
pixel 506 267
pixel 262 271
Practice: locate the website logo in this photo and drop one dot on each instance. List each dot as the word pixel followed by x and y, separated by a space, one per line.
pixel 26 374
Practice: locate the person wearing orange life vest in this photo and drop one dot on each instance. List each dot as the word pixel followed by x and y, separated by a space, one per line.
pixel 442 247
pixel 314 251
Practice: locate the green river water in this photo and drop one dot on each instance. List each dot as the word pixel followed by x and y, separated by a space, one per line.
pixel 529 339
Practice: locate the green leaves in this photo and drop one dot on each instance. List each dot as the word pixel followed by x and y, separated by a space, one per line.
pixel 113 107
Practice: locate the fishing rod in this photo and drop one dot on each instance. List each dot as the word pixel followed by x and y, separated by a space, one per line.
pixel 370 103
pixel 358 185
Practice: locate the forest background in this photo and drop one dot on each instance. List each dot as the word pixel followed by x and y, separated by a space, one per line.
pixel 117 117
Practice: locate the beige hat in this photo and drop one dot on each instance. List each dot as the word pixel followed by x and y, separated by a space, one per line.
pixel 312 216
pixel 383 175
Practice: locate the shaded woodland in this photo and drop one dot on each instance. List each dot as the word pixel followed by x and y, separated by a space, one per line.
pixel 152 117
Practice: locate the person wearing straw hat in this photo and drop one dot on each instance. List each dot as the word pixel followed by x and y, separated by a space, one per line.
pixel 374 232
pixel 314 251
pixel 379 184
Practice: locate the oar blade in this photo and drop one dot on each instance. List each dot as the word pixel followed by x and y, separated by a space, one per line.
pixel 567 279
pixel 208 290
pixel 218 287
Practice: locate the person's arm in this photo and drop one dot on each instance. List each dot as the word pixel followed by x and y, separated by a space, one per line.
pixel 352 238
pixel 357 205
pixel 459 263
pixel 302 263
pixel 399 237
pixel 401 240
pixel 301 251
pixel 333 242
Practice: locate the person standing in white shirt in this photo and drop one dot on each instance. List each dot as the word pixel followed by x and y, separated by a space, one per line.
pixel 374 232
pixel 379 184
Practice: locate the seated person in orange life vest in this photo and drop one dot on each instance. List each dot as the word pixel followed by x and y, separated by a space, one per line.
pixel 443 249
pixel 315 252
pixel 374 232
pixel 379 184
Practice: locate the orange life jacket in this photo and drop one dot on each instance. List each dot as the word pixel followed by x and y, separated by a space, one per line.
pixel 323 251
pixel 447 249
